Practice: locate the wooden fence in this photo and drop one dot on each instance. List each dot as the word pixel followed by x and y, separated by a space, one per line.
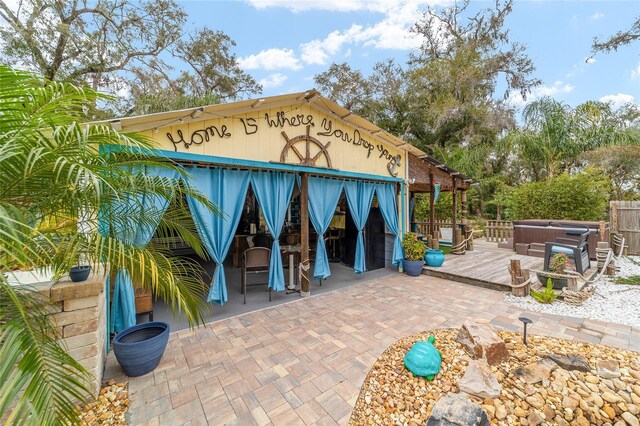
pixel 423 227
pixel 499 230
pixel 625 220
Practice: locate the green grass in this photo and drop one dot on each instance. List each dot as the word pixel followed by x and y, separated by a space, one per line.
pixel 632 280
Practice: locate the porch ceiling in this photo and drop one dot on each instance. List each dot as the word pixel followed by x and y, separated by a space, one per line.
pixel 421 169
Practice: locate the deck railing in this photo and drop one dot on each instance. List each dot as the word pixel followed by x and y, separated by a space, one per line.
pixel 499 230
pixel 423 227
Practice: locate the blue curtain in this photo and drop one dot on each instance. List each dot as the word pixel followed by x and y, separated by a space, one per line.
pixel 323 199
pixel 387 203
pixel 359 196
pixel 227 190
pixel 436 191
pixel 273 191
pixel 129 226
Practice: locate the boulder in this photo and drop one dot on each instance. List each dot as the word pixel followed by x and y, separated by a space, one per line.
pixel 478 380
pixel 482 342
pixel 457 409
pixel 532 373
pixel 570 362
pixel 608 369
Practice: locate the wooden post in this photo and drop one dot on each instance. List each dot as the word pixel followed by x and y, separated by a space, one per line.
pixel 455 210
pixel 519 279
pixel 603 228
pixel 304 234
pixel 432 202
pixel 463 218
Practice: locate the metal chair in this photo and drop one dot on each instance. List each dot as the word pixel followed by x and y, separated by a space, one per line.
pixel 577 249
pixel 254 261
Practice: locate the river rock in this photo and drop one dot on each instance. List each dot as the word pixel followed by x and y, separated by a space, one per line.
pixel 482 342
pixel 630 419
pixel 478 380
pixel 608 369
pixel 457 410
pixel 532 373
pixel 534 419
pixel 570 362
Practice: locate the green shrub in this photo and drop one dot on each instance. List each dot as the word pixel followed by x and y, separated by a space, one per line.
pixel 414 249
pixel 582 196
pixel 545 296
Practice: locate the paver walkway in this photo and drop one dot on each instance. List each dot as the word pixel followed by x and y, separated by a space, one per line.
pixel 304 362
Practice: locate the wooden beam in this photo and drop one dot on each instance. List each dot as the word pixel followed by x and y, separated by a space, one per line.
pixel 455 210
pixel 432 202
pixel 304 234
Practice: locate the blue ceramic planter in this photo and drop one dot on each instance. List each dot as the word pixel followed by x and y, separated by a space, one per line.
pixel 413 268
pixel 139 349
pixel 434 258
pixel 79 273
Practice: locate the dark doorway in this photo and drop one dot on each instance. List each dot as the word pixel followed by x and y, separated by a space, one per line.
pixel 374 240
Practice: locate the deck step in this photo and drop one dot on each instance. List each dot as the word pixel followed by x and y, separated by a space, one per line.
pixel 536 253
pixel 506 244
pixel 537 246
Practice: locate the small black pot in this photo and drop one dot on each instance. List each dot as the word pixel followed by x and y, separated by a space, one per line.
pixel 413 268
pixel 139 348
pixel 79 273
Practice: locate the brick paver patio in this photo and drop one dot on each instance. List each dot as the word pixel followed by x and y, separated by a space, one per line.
pixel 304 362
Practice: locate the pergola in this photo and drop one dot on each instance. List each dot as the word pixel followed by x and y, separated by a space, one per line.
pixel 424 172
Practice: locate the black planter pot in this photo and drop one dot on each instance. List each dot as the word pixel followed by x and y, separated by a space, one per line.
pixel 139 348
pixel 557 283
pixel 79 273
pixel 413 268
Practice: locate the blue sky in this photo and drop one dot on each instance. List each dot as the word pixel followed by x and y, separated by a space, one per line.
pixel 284 43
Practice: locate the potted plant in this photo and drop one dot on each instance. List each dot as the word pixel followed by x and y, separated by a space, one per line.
pixel 414 251
pixel 559 265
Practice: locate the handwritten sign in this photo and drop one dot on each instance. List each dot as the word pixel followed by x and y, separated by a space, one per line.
pixel 327 129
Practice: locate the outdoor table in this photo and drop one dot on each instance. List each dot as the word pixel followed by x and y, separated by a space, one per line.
pixel 292 250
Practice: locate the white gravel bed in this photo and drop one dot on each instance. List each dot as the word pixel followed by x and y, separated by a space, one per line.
pixel 616 303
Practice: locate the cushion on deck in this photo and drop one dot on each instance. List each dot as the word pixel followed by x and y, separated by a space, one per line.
pixel 556 249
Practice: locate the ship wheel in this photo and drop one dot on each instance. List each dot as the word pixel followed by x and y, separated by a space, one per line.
pixel 310 144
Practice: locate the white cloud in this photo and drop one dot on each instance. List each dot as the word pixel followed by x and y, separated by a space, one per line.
pixel 636 72
pixel 616 101
pixel 390 32
pixel 596 16
pixel 271 59
pixel 557 88
pixel 272 81
pixel 590 60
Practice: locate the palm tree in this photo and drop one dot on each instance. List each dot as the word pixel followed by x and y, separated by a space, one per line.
pixel 60 180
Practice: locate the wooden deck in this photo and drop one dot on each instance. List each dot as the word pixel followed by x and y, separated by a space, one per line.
pixel 487 266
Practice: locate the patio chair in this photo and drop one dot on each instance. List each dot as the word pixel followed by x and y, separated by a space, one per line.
pixel 254 261
pixel 577 249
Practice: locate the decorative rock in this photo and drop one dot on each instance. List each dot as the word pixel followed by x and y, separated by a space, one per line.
pixel 608 369
pixel 582 421
pixel 569 402
pixel 592 379
pixel 534 419
pixel 631 419
pixel 482 342
pixel 501 412
pixel 535 401
pixel 609 397
pixel 570 362
pixel 532 373
pixel 478 380
pixel 457 410
pixel 597 400
pixel 611 413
